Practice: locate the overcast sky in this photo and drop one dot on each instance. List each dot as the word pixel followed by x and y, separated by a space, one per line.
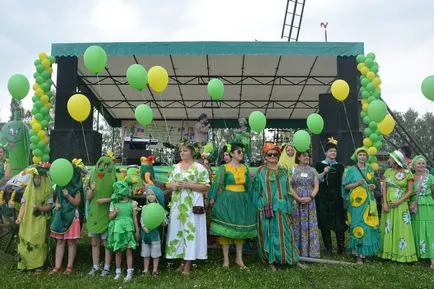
pixel 400 35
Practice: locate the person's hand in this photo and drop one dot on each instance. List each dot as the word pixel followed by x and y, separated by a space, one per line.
pixel 326 170
pixel 57 206
pixel 386 207
pixel 100 201
pixel 372 187
pixel 65 192
pixel 172 186
pixel 304 200
pixel 395 204
pixel 18 221
pixel 361 182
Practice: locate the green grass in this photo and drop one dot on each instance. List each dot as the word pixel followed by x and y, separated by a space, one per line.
pixel 209 274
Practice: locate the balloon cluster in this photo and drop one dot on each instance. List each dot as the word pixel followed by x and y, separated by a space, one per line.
pixel 41 108
pixel 374 111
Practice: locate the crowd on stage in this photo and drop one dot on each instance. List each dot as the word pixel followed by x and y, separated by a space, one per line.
pixel 289 206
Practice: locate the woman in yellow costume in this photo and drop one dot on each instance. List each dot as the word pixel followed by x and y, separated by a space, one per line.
pixel 32 218
pixel 287 157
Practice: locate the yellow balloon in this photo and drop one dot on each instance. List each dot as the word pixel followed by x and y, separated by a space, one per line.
pixel 50 69
pixel 367 142
pixel 360 66
pixel 370 75
pixel 36 126
pixel 364 70
pixel 42 56
pixel 79 107
pixel 158 78
pixel 374 166
pixel 36 87
pixel 365 107
pixel 39 92
pixel 41 134
pixel 49 105
pixel 46 63
pixel 387 125
pixel 45 99
pixel 364 101
pixel 376 81
pixel 36 160
pixel 372 151
pixel 340 89
pixel 45 140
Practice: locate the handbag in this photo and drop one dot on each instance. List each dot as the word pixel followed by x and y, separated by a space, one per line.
pixel 413 206
pixel 198 210
pixel 268 211
pixel 373 211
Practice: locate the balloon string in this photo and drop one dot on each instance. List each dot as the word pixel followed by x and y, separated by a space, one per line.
pixel 164 116
pixel 85 144
pixel 348 123
pixel 223 114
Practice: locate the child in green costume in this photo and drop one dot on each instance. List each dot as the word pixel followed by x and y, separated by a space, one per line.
pixel 98 196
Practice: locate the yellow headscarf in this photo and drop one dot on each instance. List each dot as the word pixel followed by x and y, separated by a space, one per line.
pixel 285 160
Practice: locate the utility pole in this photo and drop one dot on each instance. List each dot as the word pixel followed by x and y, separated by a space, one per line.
pixel 324 25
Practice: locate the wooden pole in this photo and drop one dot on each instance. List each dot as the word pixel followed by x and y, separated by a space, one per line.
pixel 324 261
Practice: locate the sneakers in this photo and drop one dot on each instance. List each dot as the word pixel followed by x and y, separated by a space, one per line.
pixel 117 276
pixel 128 278
pixel 105 273
pixel 92 272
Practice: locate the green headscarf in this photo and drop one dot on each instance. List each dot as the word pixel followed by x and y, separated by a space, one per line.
pixel 120 190
pixel 416 159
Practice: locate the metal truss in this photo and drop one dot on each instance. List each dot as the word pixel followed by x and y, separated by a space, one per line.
pixel 292 24
pixel 227 104
pixel 272 80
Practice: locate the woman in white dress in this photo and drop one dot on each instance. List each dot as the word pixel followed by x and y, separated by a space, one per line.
pixel 189 183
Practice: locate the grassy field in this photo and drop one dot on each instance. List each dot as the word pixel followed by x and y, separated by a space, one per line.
pixel 209 274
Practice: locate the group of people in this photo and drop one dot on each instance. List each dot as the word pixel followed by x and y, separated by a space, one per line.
pixel 284 205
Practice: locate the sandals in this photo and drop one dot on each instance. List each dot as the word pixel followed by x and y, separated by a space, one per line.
pixel 54 271
pixel 68 270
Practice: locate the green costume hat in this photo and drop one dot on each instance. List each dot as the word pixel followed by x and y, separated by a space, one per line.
pixel 120 190
pixel 399 158
pixel 416 159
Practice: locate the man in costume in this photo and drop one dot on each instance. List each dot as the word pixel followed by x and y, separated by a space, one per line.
pixel 33 217
pixel 99 197
pixel 201 129
pixel 329 202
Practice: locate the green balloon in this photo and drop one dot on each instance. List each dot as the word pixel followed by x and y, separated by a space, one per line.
pixel 376 94
pixel 18 86
pixel 301 140
pixel 45 158
pixel 35 98
pixel 360 58
pixel 153 215
pixel 367 132
pixel 45 75
pixel 52 59
pixel 369 62
pixel 44 123
pixel 378 144
pixel 61 172
pixel 365 82
pixel 370 87
pixel 40 68
pixel 46 86
pixel 37 152
pixel 46 150
pixel 34 139
pixel 32 146
pixel 39 80
pixel 374 137
pixel 372 159
pixel 363 114
pixel 37 62
pixel 366 94
pixel 39 116
pixel 315 123
pixel 38 104
pixel 257 121
pixel 216 89
pixel 371 99
pixel 371 55
pixel 373 125
pixel 137 76
pixel 44 111
pixel 374 68
pixel 40 145
pixel 35 110
pixel 428 87
pixel 144 114
pixel 49 94
pixel 366 120
pixel 95 59
pixel 32 133
pixel 377 110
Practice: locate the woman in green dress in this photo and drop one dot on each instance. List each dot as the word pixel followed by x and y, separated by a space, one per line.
pixel 33 219
pixel 362 214
pixel 273 200
pixel 233 215
pixel 396 231
pixel 422 209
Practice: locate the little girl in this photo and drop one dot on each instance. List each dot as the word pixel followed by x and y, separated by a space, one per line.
pixel 151 242
pixel 123 227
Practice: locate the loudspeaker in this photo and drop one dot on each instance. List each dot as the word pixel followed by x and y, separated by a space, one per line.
pixel 70 144
pixel 335 114
pixel 346 146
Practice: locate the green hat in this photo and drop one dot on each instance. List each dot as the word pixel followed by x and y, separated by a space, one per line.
pixel 399 158
pixel 120 190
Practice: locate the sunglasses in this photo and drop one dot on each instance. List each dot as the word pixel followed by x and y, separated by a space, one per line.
pixel 272 155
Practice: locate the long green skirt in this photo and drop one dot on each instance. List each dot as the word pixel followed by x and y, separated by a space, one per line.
pixel 233 216
pixel 423 230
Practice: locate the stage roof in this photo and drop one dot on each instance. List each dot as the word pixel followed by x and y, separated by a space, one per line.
pixel 281 79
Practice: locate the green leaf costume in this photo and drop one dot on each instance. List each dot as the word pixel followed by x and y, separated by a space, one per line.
pixel 104 176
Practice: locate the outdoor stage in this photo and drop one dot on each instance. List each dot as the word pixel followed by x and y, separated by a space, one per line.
pixel 287 81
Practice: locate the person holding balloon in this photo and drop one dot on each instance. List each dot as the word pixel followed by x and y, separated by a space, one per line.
pixel 189 184
pixel 330 205
pixel 68 208
pixel 123 229
pixel 151 241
